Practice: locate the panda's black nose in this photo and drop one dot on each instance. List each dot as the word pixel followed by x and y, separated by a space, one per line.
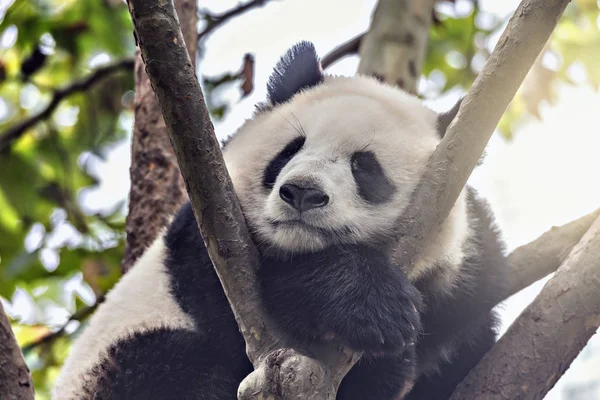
pixel 303 199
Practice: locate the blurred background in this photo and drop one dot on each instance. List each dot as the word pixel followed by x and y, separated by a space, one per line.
pixel 64 180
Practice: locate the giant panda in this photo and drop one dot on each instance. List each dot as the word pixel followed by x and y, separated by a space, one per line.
pixel 323 170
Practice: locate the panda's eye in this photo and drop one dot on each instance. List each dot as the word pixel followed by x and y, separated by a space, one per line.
pixel 293 147
pixel 371 180
pixel 364 162
pixel 280 160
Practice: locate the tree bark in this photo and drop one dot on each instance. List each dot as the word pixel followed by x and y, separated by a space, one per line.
pixel 157 188
pixel 394 48
pixel 15 379
pixel 541 344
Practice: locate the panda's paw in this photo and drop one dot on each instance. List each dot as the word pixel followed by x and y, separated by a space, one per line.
pixel 350 292
pixel 383 331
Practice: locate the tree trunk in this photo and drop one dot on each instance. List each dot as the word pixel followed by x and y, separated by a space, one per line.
pixel 15 379
pixel 157 188
pixel 394 48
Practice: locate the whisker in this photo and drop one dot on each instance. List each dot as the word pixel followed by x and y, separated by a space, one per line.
pixel 302 131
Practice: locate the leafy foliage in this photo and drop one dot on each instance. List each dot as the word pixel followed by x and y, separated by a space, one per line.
pixel 459 47
pixel 49 242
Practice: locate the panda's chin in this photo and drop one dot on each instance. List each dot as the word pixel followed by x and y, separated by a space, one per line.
pixel 292 236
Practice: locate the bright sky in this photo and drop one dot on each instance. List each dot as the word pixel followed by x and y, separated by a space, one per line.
pixel 548 175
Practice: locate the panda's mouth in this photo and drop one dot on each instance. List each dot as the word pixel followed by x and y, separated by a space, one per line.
pixel 297 223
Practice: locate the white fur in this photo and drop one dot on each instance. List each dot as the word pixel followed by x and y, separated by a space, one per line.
pixel 339 117
pixel 139 301
pixel 449 244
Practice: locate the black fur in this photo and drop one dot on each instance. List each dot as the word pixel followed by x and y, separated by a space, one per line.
pixel 298 69
pixel 351 291
pixel 373 186
pixel 280 160
pixel 379 378
pixel 165 364
pixel 445 119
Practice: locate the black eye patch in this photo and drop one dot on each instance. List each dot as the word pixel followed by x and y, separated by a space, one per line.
pixel 373 186
pixel 280 160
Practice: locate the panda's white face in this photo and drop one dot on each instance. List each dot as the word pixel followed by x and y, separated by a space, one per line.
pixel 336 164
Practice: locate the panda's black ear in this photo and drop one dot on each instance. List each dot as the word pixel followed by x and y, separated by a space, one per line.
pixel 298 69
pixel 445 119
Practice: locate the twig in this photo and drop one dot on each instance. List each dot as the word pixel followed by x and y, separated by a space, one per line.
pixel 16 131
pixel 245 74
pixel 215 21
pixel 461 148
pixel 541 344
pixel 220 218
pixel 346 49
pixel 50 337
pixel 15 379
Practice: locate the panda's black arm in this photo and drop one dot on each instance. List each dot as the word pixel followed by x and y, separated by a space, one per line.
pixel 352 292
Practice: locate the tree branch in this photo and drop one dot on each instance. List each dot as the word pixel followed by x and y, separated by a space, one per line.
pixel 394 48
pixel 533 261
pixel 541 344
pixel 215 21
pixel 16 131
pixel 15 379
pixel 346 49
pixel 157 188
pixel 79 315
pixel 461 148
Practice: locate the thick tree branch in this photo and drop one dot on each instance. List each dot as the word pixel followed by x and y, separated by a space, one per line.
pixel 461 148
pixel 157 189
pixel 541 344
pixel 16 131
pixel 15 379
pixel 533 261
pixel 346 49
pixel 215 21
pixel 280 372
pixel 394 48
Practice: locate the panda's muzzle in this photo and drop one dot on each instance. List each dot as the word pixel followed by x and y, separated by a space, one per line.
pixel 303 198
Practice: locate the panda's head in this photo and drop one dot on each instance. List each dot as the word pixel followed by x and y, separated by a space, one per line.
pixel 329 160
